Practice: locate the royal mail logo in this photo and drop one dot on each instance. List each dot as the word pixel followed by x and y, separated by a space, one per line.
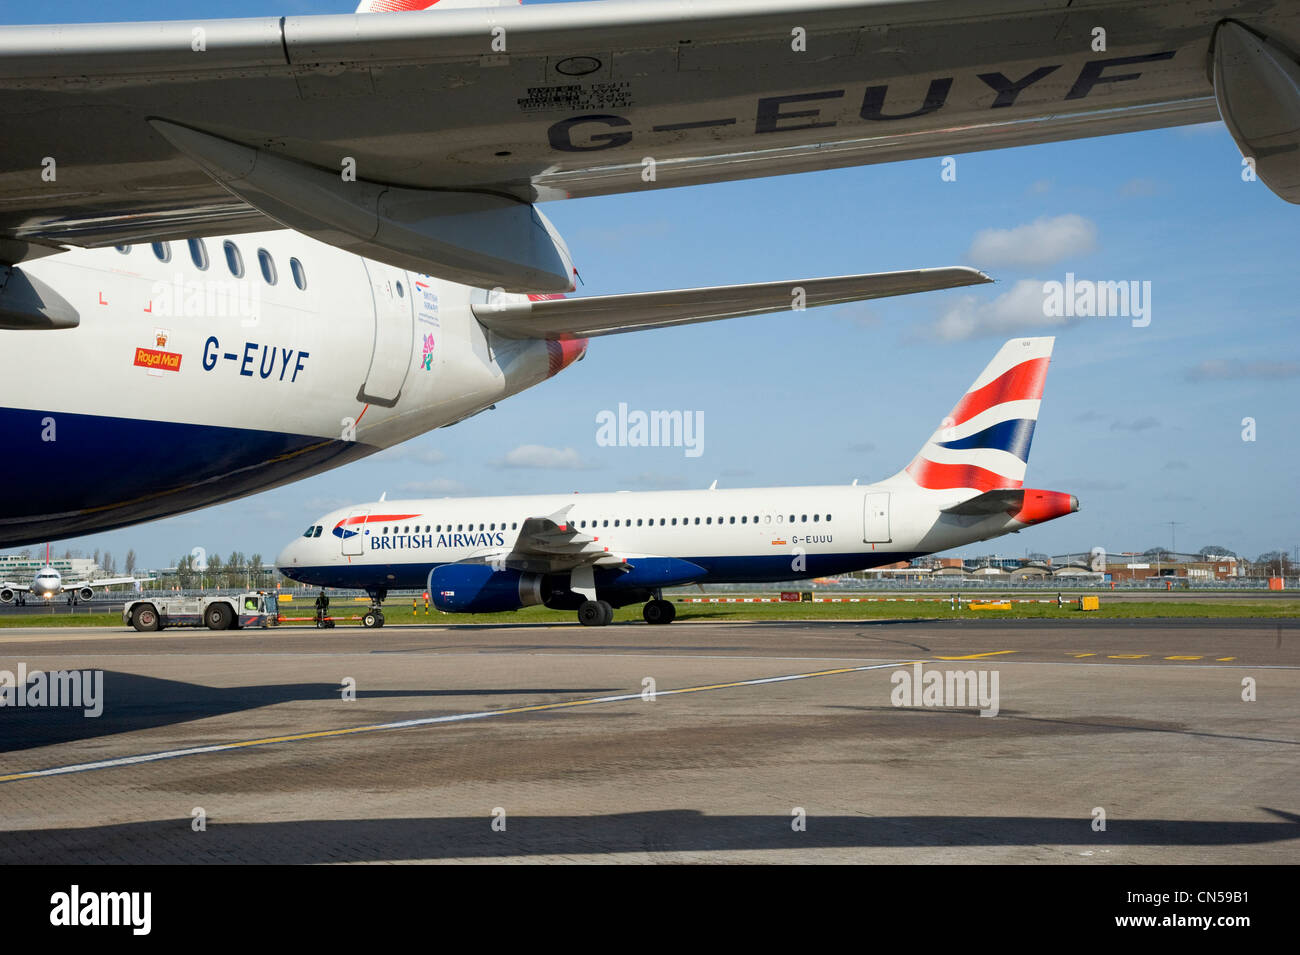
pixel 160 338
pixel 154 359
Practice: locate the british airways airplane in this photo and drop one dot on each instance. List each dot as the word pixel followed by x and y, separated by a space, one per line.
pixel 594 552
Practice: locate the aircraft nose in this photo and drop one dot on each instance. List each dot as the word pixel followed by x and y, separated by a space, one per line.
pixel 288 557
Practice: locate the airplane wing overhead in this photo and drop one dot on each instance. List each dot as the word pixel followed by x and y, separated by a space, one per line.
pixel 393 133
pixel 611 314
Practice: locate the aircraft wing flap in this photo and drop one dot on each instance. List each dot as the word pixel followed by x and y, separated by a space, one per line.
pixel 613 314
pixel 552 544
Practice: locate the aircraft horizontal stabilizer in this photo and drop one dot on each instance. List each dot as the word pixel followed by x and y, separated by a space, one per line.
pixel 990 502
pixel 612 314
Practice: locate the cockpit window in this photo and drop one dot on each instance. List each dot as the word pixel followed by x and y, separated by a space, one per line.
pixel 319 528
pixel 310 531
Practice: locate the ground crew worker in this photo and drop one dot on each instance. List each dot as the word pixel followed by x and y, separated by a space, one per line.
pixel 322 607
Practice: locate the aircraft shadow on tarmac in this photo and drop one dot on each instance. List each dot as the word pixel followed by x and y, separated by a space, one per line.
pixel 383 840
pixel 135 702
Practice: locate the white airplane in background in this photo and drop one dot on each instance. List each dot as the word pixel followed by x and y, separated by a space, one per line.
pixel 594 552
pixel 48 583
pixel 380 171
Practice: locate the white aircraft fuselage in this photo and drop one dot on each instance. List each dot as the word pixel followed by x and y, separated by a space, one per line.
pixel 184 386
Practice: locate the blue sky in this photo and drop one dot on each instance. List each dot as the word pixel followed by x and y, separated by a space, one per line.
pixel 1143 424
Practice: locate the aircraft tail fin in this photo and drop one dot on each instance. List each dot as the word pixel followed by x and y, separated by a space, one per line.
pixel 983 443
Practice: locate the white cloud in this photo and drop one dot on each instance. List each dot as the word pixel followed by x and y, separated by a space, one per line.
pixel 1016 310
pixel 1041 242
pixel 1144 423
pixel 437 487
pixel 410 452
pixel 656 482
pixel 540 456
pixel 1232 368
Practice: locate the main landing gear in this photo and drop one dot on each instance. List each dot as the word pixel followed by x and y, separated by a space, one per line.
pixel 373 618
pixel 595 613
pixel 598 613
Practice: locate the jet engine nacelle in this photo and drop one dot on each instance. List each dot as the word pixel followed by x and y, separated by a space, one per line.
pixel 478 588
pixel 85 593
pixel 6 596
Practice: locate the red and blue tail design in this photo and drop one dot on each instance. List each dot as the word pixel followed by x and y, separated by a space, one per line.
pixel 983 444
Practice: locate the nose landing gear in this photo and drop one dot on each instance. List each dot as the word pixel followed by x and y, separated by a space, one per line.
pixel 373 618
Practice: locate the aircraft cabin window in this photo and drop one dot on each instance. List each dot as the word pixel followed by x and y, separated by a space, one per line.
pixel 514 526
pixel 708 520
pixel 662 522
pixel 234 261
pixel 780 518
pixel 804 519
pixel 299 274
pixel 791 518
pixel 401 293
pixel 638 522
pixel 198 254
pixel 816 518
pixel 674 522
pixel 697 520
pixel 268 266
pixel 162 251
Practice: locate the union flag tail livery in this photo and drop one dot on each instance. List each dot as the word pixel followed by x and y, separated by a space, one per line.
pixel 594 552
pixel 983 443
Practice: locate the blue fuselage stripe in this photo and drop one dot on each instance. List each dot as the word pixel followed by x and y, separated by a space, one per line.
pixel 729 569
pixel 78 473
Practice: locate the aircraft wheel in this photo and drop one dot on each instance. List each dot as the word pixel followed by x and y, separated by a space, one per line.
pixel 371 620
pixel 380 615
pixel 594 613
pixel 658 611
pixel 670 611
pixel 145 619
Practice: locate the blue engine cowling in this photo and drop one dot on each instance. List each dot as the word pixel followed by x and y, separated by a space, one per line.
pixel 477 588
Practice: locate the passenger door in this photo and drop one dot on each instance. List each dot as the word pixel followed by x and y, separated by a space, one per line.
pixel 390 359
pixel 875 518
pixel 354 530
